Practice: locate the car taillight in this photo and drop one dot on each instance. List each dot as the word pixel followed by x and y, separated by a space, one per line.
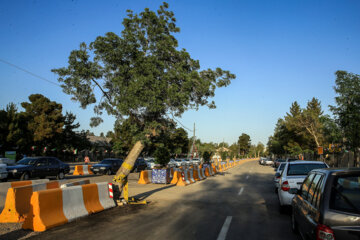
pixel 285 186
pixel 277 177
pixel 324 232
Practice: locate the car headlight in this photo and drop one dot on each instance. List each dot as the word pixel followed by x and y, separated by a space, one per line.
pixel 14 170
pixel 102 168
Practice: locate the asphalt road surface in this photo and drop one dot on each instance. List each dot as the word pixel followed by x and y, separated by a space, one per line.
pixel 238 204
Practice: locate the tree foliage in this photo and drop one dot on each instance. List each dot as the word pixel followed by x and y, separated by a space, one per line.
pixel 46 119
pixel 244 144
pixel 42 124
pixel 347 109
pixel 142 74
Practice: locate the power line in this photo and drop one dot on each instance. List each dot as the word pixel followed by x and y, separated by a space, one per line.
pixel 28 72
pixel 181 123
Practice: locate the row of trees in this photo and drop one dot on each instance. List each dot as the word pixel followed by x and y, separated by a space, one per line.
pixel 40 128
pixel 303 130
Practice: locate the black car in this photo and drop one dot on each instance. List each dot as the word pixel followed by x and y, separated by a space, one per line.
pixel 328 205
pixel 107 166
pixel 32 167
pixel 140 165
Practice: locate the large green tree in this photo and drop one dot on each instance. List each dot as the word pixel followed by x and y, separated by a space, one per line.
pixel 244 144
pixel 142 75
pixel 347 109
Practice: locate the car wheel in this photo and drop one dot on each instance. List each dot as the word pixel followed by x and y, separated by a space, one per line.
pixel 276 190
pixel 108 172
pixel 60 175
pixel 25 176
pixel 294 225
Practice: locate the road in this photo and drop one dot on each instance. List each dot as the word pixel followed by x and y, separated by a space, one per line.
pixel 239 204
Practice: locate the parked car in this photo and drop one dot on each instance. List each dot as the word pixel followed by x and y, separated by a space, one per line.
pixel 150 162
pixel 107 166
pixel 196 161
pixel 277 162
pixel 328 205
pixel 7 161
pixel 172 163
pixel 3 173
pixel 278 175
pixel 179 162
pixel 186 162
pixel 31 167
pixel 269 162
pixel 292 177
pixel 262 161
pixel 139 165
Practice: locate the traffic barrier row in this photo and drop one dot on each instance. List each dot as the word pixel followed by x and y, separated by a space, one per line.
pixel 184 176
pixel 17 203
pixel 55 207
pixel 83 170
pixel 4 187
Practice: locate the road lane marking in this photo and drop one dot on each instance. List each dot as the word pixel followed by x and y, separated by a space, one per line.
pixel 247 177
pixel 225 228
pixel 241 190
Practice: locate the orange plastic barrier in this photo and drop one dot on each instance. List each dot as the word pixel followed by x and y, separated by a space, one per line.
pixel 17 203
pixel 83 170
pixel 182 181
pixel 176 177
pixel 145 177
pixel 54 207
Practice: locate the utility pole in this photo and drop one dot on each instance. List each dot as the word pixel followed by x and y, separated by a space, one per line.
pixel 193 147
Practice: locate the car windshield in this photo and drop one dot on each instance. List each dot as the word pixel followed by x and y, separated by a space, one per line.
pixel 27 161
pixel 281 167
pixel 345 194
pixel 106 161
pixel 303 169
pixel 178 160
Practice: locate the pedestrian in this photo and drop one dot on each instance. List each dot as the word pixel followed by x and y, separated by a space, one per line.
pixel 87 160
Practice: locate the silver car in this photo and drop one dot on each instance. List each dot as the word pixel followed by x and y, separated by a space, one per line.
pixel 292 177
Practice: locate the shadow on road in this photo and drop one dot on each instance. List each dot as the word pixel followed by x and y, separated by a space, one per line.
pixel 143 196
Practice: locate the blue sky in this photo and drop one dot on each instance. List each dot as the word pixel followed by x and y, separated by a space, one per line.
pixel 280 51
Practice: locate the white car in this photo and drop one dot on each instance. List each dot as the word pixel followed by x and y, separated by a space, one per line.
pixel 3 172
pixel 196 161
pixel 178 162
pixel 172 163
pixel 268 162
pixel 150 162
pixel 292 177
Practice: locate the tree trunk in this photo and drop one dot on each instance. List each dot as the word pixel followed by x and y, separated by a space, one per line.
pixel 128 164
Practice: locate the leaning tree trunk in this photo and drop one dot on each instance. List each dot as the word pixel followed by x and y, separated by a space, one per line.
pixel 126 167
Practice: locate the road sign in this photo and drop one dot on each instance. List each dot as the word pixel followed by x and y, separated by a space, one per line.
pixel 320 150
